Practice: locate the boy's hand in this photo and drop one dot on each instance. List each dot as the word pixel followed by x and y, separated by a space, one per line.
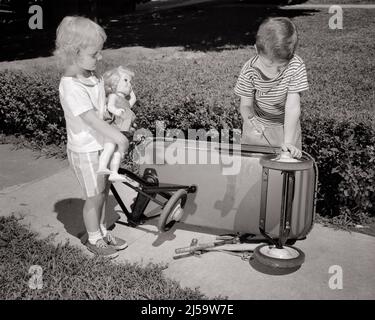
pixel 294 151
pixel 259 128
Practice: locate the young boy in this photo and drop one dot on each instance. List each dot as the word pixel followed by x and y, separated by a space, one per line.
pixel 79 43
pixel 269 86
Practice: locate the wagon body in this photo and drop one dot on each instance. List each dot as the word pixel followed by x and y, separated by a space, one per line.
pixel 228 180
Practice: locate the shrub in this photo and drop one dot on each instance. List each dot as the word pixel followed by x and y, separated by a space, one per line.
pixel 30 108
pixel 343 147
pixel 345 153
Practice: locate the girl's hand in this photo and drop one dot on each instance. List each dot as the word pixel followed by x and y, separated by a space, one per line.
pixel 294 151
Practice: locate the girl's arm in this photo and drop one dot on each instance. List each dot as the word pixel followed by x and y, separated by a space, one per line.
pixel 292 114
pixel 106 130
pixel 246 108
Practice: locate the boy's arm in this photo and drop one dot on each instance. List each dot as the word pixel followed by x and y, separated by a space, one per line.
pixel 292 114
pixel 106 130
pixel 246 108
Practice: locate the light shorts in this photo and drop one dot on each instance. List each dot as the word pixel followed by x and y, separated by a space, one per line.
pixel 85 165
pixel 274 134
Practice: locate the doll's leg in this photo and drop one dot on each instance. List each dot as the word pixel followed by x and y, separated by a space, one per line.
pixel 105 157
pixel 114 166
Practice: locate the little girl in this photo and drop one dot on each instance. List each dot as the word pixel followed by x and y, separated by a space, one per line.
pixel 269 85
pixel 79 42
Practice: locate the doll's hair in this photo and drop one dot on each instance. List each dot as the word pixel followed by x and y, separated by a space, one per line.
pixel 112 77
pixel 75 33
pixel 277 39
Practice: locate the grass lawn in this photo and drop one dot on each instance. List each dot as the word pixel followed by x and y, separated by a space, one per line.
pixel 69 273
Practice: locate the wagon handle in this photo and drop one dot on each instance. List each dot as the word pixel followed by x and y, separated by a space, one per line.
pixel 203 246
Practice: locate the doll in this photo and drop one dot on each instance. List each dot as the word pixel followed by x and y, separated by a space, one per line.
pixel 121 99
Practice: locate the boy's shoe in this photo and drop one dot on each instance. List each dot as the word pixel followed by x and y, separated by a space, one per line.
pixel 116 243
pixel 101 248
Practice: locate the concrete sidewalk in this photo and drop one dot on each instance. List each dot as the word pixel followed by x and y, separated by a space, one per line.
pixel 52 204
pixel 46 193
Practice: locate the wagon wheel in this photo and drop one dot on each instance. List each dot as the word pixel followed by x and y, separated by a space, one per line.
pixel 173 210
pixel 287 257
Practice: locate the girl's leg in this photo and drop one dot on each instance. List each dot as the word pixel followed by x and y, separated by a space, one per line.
pixel 85 166
pixel 92 212
pixel 103 222
pixel 115 242
pixel 105 157
pixel 91 217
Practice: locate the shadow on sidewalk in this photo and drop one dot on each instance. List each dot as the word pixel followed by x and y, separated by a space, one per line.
pixel 212 25
pixel 70 214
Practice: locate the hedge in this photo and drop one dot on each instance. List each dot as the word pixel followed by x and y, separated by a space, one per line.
pixel 342 147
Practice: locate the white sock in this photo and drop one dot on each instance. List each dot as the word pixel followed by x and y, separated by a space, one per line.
pixel 94 236
pixel 103 229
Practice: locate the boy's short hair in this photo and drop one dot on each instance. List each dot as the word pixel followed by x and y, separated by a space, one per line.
pixel 277 38
pixel 112 77
pixel 74 33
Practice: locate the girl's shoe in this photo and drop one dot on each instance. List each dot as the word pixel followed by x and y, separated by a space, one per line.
pixel 101 248
pixel 116 243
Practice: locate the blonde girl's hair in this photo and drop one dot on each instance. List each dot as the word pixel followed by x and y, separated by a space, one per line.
pixel 112 77
pixel 75 33
pixel 277 38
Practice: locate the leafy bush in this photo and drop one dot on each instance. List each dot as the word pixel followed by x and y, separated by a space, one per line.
pixel 185 95
pixel 345 154
pixel 30 108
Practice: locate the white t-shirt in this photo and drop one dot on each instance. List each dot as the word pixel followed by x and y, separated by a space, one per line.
pixel 78 96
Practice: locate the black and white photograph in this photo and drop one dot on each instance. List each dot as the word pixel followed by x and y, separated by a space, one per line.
pixel 187 156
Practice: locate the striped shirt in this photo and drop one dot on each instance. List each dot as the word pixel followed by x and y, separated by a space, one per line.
pixel 270 94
